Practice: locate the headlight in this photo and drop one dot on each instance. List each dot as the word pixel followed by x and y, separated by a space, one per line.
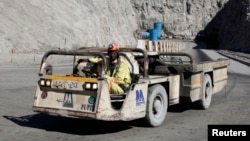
pixel 48 83
pixel 94 86
pixel 44 82
pixel 41 82
pixel 87 86
pixel 91 86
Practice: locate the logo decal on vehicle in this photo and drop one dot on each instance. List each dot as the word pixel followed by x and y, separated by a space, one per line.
pixel 68 100
pixel 139 98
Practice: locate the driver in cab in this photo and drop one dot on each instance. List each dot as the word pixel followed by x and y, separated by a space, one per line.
pixel 118 73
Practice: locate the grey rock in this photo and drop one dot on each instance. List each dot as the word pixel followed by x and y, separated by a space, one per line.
pixel 36 26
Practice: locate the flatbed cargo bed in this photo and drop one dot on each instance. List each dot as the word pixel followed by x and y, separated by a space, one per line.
pixel 188 64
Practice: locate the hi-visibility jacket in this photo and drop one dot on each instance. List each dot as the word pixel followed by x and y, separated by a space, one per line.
pixel 120 77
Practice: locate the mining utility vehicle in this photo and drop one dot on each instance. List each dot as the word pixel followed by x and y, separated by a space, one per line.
pixel 71 86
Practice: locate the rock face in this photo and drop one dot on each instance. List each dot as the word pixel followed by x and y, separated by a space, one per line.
pixel 229 29
pixel 181 18
pixel 35 25
pixel 28 25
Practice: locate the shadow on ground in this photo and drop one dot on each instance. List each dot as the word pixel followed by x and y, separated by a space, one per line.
pixel 81 126
pixel 70 125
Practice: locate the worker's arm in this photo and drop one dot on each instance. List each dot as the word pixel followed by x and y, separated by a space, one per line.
pixel 122 75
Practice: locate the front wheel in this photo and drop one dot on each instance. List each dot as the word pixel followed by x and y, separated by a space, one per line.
pixel 157 106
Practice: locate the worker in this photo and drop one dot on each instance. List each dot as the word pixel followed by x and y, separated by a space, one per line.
pixel 77 71
pixel 118 73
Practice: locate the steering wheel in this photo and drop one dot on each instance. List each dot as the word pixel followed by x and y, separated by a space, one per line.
pixel 90 73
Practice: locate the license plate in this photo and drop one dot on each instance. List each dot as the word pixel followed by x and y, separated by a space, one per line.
pixel 65 84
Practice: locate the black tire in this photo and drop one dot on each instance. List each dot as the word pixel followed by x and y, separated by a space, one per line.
pixel 157 106
pixel 205 102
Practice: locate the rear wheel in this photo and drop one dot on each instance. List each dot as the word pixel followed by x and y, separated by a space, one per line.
pixel 205 102
pixel 157 105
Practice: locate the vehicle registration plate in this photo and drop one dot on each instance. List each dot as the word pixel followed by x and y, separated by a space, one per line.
pixel 65 84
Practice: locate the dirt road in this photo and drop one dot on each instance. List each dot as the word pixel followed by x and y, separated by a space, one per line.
pixel 19 123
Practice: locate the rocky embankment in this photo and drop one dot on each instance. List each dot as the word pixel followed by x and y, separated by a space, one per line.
pixel 42 25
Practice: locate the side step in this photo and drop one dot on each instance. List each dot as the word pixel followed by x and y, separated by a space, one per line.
pixel 117 97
